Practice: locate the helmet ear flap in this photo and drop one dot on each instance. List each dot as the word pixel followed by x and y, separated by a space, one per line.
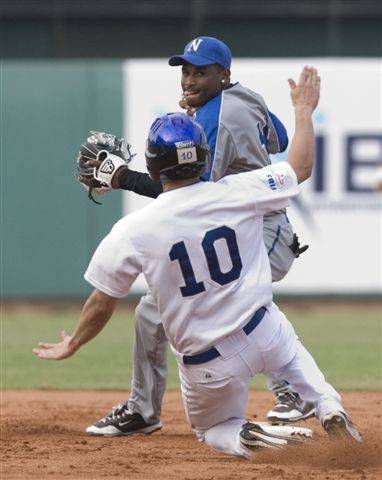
pixel 183 172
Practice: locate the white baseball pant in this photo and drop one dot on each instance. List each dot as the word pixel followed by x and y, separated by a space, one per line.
pixel 215 393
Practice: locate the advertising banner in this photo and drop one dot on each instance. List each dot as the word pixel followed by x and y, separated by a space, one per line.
pixel 338 213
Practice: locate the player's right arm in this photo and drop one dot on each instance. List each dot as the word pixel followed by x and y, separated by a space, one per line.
pixel 305 96
pixel 95 314
pixel 113 269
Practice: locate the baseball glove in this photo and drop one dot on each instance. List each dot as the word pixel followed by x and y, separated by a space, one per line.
pixel 99 158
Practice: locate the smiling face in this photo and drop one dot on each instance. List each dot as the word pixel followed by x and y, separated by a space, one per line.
pixel 200 84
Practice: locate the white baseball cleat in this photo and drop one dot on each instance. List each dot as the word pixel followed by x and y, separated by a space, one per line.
pixel 338 425
pixel 255 435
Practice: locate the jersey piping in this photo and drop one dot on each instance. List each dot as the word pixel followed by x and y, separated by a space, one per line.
pixel 208 116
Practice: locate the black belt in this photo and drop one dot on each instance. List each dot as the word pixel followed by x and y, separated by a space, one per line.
pixel 213 353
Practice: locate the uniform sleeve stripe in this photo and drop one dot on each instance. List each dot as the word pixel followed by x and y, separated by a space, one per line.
pixel 217 134
pixel 281 133
pixel 275 240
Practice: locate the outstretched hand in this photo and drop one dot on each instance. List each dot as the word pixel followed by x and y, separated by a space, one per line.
pixel 306 93
pixel 55 351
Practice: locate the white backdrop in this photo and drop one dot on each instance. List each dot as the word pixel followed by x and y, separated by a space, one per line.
pixel 341 225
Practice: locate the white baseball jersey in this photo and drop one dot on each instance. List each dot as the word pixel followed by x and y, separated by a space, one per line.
pixel 202 252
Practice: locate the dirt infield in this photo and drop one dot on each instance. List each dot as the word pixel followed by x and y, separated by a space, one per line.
pixel 43 436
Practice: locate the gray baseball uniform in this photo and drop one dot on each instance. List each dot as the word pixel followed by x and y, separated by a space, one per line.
pixel 241 133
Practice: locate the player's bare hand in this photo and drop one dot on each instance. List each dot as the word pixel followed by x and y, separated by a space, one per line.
pixel 55 351
pixel 94 163
pixel 306 93
pixel 183 104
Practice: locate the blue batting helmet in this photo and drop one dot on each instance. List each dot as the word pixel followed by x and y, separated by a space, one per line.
pixel 176 148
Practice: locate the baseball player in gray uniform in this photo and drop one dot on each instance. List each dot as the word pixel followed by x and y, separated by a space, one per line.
pixel 241 133
pixel 210 276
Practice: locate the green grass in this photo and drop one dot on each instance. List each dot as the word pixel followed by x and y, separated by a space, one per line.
pixel 346 343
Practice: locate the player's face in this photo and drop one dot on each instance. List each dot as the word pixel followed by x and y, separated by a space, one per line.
pixel 200 84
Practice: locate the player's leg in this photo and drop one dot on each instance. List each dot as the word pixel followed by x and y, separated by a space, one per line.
pixel 288 407
pixel 278 239
pixel 141 413
pixel 149 378
pixel 306 378
pixel 215 396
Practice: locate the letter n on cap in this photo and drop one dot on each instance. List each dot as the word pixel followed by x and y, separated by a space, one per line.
pixel 194 45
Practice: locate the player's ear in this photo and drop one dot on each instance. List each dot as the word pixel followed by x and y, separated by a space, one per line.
pixel 225 77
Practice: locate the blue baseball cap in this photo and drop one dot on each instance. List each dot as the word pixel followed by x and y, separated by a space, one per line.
pixel 204 51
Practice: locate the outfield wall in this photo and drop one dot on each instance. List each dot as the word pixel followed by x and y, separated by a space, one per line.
pixel 48 228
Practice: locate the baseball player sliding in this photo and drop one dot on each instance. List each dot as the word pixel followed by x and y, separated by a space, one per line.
pixel 241 133
pixel 209 273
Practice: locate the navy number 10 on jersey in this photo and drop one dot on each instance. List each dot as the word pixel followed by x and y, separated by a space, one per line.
pixel 192 286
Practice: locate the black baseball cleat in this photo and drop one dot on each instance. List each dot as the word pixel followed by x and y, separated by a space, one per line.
pixel 338 425
pixel 290 408
pixel 255 435
pixel 121 421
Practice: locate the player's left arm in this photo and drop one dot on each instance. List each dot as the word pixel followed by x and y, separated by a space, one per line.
pixel 272 186
pixel 95 314
pixel 305 96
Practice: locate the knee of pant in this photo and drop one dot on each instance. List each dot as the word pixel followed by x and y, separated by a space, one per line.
pixel 225 438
